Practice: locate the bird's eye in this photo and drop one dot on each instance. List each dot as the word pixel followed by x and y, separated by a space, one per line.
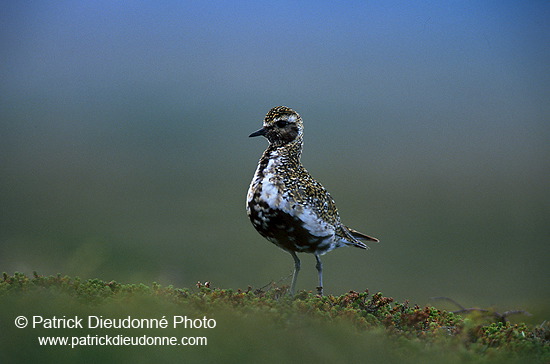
pixel 281 123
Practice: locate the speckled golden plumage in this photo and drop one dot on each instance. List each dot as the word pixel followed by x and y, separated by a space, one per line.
pixel 288 206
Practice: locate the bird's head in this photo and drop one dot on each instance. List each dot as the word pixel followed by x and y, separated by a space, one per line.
pixel 282 125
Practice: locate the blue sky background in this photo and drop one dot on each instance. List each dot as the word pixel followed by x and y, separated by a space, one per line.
pixel 124 151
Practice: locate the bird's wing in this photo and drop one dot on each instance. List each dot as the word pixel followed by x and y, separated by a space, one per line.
pixel 358 235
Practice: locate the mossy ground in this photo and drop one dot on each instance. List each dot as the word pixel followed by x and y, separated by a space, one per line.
pixel 263 325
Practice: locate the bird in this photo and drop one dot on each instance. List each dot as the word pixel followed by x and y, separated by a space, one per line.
pixel 286 205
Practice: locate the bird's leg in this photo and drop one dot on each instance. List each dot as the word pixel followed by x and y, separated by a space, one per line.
pixel 295 274
pixel 319 267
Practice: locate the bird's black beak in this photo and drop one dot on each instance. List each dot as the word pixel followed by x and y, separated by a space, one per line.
pixel 258 133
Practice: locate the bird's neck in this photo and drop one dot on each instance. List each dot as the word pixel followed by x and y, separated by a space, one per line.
pixel 290 151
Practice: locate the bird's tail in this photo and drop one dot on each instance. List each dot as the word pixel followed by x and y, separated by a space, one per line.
pixel 351 237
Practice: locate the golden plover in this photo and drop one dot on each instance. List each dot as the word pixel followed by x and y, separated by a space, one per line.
pixel 289 207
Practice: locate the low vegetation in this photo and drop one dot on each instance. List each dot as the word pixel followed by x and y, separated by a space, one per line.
pixel 353 323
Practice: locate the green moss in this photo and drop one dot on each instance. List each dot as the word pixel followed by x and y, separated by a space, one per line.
pixel 403 327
